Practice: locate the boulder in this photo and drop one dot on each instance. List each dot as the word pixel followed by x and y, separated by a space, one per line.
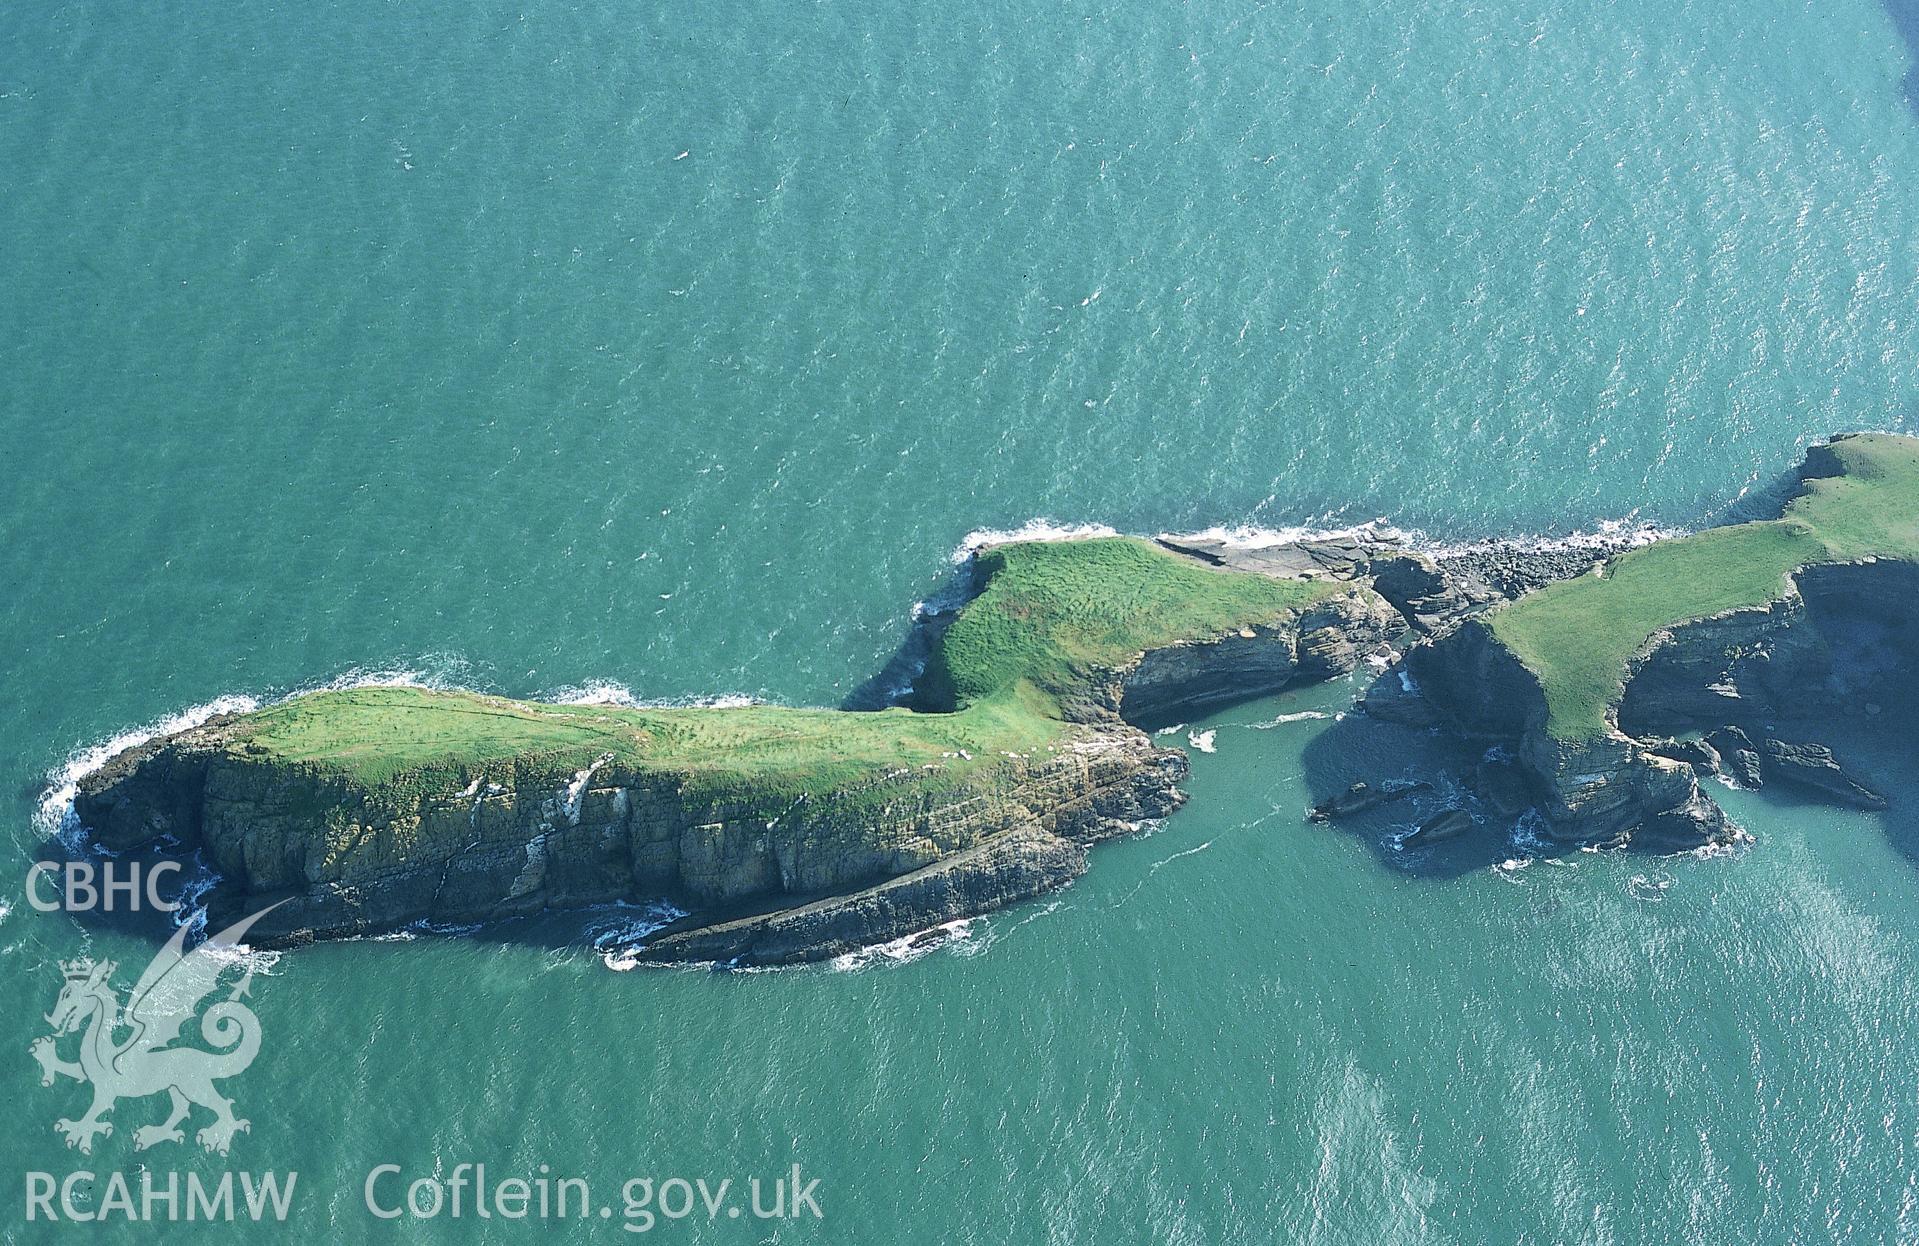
pixel 1813 768
pixel 1360 797
pixel 1444 825
pixel 1738 759
pixel 1693 823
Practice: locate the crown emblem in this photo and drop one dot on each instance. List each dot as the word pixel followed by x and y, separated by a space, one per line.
pixel 80 970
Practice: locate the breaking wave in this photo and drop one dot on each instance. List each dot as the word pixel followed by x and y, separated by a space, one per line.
pixel 1627 532
pixel 1252 536
pixel 1031 530
pixel 610 692
pixel 1296 716
pixel 386 677
pixel 1630 533
pixel 616 941
pixel 54 814
pixel 905 949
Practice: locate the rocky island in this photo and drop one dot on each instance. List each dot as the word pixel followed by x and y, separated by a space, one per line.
pixel 790 834
pixel 1617 689
pixel 1600 682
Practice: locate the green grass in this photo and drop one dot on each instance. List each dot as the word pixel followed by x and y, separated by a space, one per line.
pixel 1578 636
pixel 1049 613
pixel 376 736
pixel 1052 612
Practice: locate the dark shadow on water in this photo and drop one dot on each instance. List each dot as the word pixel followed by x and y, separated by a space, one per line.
pixel 893 683
pixel 1766 500
pixel 1905 19
pixel 1879 748
pixel 1362 749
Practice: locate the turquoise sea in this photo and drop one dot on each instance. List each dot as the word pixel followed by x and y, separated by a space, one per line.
pixel 532 346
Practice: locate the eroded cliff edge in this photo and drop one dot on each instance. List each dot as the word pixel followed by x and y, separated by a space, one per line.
pixel 788 834
pixel 1718 653
pixel 1593 685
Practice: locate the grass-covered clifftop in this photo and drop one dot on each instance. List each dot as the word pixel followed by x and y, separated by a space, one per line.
pixel 1860 500
pixel 1053 614
pixel 1050 616
pixel 373 808
pixel 373 736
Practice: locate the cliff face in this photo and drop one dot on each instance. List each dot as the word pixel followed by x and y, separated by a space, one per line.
pixel 1324 640
pixel 1729 667
pixel 791 834
pixel 1732 633
pixel 1784 665
pixel 522 837
pixel 1483 689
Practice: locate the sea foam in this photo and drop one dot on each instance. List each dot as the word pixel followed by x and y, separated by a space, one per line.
pixel 610 692
pixel 55 812
pixel 1252 536
pixel 1031 530
pixel 1630 531
pixel 905 949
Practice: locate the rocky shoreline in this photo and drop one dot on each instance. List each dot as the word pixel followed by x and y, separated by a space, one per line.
pixel 926 832
pixel 624 838
pixel 1739 692
pixel 861 853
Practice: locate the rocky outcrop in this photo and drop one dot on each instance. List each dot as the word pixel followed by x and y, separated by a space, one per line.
pixel 519 838
pixel 1477 684
pixel 1737 666
pixel 1603 790
pixel 1684 699
pixel 1361 797
pixel 1738 759
pixel 1444 585
pixel 1337 556
pixel 1015 865
pixel 1512 569
pixel 1812 766
pixel 1669 662
pixel 1699 754
pixel 1328 638
pixel 1444 825
pixel 1427 595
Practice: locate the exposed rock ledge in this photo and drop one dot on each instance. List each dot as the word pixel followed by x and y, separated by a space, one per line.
pixel 1614 679
pixel 1732 647
pixel 791 835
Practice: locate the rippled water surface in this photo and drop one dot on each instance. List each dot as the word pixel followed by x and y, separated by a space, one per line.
pixel 523 347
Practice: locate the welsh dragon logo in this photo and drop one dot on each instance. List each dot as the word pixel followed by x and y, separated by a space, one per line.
pixel 144 1062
